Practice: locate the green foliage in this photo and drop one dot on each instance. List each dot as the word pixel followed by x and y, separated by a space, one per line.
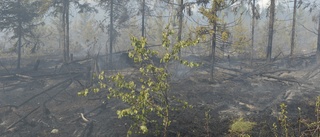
pixel 312 128
pixel 240 39
pixel 210 13
pixel 147 96
pixel 283 119
pixel 207 117
pixel 19 16
pixel 241 127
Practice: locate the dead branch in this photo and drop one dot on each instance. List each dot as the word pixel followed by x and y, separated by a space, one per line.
pixel 85 114
pixel 16 75
pixel 4 67
pixel 23 76
pixel 312 71
pixel 50 88
pixel 88 130
pixel 287 79
pixel 22 118
pixel 83 118
pixel 58 92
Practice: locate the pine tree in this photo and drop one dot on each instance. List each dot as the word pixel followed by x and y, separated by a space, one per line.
pixel 18 17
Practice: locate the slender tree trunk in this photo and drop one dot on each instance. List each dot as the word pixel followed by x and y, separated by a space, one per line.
pixel 67 32
pixel 318 42
pixel 19 38
pixel 180 23
pixel 270 35
pixel 19 44
pixel 223 43
pixel 143 18
pixel 252 29
pixel 60 38
pixel 213 41
pixel 293 31
pixel 64 31
pixel 111 33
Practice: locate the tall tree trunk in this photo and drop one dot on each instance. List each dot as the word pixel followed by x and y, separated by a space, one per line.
pixel 19 44
pixel 252 29
pixel 180 23
pixel 19 38
pixel 318 42
pixel 213 41
pixel 67 32
pixel 293 31
pixel 64 31
pixel 270 34
pixel 143 18
pixel 111 33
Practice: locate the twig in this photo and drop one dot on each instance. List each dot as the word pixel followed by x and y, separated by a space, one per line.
pixel 100 106
pixel 83 118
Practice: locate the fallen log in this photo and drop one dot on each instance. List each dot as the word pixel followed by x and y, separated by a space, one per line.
pixel 22 118
pixel 48 89
pixel 287 79
pixel 23 76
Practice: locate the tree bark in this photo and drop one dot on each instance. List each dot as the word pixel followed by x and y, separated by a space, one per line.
pixel 19 38
pixel 143 18
pixel 111 33
pixel 64 31
pixel 270 34
pixel 67 31
pixel 180 23
pixel 19 44
pixel 293 31
pixel 213 41
pixel 252 29
pixel 318 42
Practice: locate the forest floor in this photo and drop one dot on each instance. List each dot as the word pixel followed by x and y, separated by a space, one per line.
pixel 41 100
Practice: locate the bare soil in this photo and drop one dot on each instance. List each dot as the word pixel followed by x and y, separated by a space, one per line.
pixel 44 101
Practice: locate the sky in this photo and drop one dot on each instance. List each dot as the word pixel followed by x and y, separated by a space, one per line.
pixel 263 3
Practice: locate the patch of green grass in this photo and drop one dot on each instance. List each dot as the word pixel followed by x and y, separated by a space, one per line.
pixel 241 127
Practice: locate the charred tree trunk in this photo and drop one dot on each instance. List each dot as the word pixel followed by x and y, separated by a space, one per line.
pixel 318 42
pixel 180 23
pixel 111 33
pixel 65 29
pixel 19 38
pixel 293 31
pixel 213 41
pixel 19 45
pixel 67 32
pixel 143 18
pixel 252 29
pixel 270 34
